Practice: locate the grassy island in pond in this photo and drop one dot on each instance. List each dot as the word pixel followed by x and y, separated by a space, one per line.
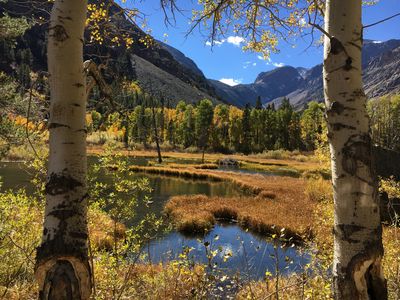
pixel 272 204
pixel 278 205
pixel 260 214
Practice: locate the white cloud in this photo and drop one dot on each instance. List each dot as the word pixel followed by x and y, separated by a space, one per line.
pixel 260 57
pixel 235 40
pixel 278 65
pixel 270 62
pixel 231 81
pixel 377 42
pixel 247 64
pixel 216 43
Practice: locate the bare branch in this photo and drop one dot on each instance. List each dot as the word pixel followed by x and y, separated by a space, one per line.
pixel 316 26
pixel 381 21
pixel 92 70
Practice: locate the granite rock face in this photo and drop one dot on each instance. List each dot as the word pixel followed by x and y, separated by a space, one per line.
pixel 381 74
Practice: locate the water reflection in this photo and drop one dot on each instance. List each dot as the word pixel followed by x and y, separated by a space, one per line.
pixel 251 256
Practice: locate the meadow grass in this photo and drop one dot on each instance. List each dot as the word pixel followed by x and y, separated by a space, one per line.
pixel 253 183
pixel 279 204
pixel 261 215
pixel 258 162
pixel 25 152
pixel 208 166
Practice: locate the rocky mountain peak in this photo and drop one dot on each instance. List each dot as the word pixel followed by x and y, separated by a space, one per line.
pixel 381 65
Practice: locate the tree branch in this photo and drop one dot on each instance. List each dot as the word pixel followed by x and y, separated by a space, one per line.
pixel 381 21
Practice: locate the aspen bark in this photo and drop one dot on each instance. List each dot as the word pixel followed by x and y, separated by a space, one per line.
pixel 156 137
pixel 358 250
pixel 62 268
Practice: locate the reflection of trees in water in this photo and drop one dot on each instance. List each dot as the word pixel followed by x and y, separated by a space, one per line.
pixel 250 255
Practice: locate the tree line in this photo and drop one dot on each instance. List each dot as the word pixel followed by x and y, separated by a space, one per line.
pixel 220 128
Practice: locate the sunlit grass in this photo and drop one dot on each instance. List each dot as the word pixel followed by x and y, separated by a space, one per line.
pixel 279 204
pixel 297 163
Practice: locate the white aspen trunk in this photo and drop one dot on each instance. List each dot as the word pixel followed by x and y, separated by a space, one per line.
pixel 62 268
pixel 156 137
pixel 358 250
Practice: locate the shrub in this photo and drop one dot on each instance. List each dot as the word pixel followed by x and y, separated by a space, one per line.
pixel 318 190
pixel 20 228
pixel 391 186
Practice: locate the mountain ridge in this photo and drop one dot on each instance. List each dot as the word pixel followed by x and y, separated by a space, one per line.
pixel 381 65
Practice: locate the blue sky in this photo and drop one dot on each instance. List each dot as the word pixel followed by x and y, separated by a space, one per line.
pixel 228 63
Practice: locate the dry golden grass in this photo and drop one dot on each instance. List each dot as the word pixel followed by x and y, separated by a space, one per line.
pixel 391 260
pixel 172 280
pixel 257 161
pixel 279 203
pixel 101 229
pixel 189 173
pixel 288 288
pixel 253 183
pixel 208 166
pixel 319 190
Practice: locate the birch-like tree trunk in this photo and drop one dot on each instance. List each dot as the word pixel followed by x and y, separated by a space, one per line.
pixel 358 250
pixel 156 136
pixel 62 268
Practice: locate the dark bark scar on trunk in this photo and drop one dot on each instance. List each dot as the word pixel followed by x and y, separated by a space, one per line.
pixel 60 184
pixel 335 108
pixel 372 250
pixel 339 126
pixel 84 130
pixel 345 231
pixel 357 150
pixel 59 33
pixel 61 282
pixel 338 108
pixel 348 66
pixel 336 46
pixel 57 125
pixel 78 85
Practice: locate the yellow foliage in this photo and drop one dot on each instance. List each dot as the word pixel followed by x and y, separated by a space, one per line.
pixel 391 186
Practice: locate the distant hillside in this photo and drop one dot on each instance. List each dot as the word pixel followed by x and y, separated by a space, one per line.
pixel 381 65
pixel 166 69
